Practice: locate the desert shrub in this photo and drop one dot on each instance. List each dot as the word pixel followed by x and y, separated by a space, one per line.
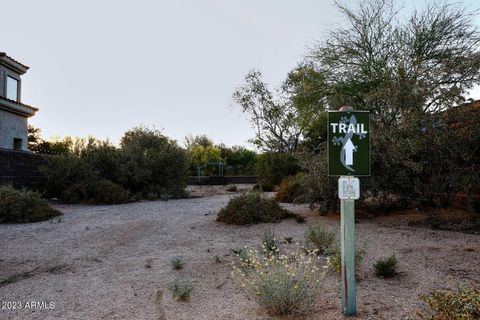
pixel 433 157
pixel 148 164
pixel 269 242
pixel 282 284
pixel 178 263
pixel 265 185
pixel 273 167
pixel 319 238
pixel 104 159
pixel 318 187
pixel 386 268
pixel 336 259
pixel 462 304
pixel 291 189
pixel 63 171
pixel 231 188
pixel 252 207
pixel 19 206
pixel 99 191
pixel 151 163
pixel 181 289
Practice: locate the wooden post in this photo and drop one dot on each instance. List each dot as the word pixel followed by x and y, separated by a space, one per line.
pixel 347 212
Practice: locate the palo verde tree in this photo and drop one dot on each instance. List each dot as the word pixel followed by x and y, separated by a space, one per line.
pixel 409 71
pixel 393 66
pixel 275 119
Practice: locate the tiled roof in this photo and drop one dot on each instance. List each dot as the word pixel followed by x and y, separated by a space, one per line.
pixel 3 54
pixel 20 104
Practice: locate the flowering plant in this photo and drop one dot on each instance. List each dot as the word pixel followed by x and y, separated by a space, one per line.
pixel 282 284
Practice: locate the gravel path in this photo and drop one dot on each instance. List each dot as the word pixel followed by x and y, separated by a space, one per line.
pixel 93 263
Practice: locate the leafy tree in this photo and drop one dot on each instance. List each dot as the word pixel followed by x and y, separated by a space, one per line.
pixel 202 155
pixel 410 73
pixel 239 159
pixel 273 116
pixel 393 67
pixel 199 140
pixel 38 145
pixel 152 164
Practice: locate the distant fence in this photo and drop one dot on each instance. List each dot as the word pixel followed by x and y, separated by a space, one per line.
pixel 21 169
pixel 217 180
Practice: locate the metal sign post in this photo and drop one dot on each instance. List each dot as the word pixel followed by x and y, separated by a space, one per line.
pixel 348 191
pixel 348 156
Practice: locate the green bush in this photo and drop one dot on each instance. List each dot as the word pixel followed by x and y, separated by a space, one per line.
pixel 265 185
pixel 152 164
pixel 148 165
pixel 432 158
pixel 282 284
pixel 178 263
pixel 291 189
pixel 319 188
pixel 462 304
pixel 273 167
pixel 231 188
pixel 96 192
pixel 319 238
pixel 181 289
pixel 386 268
pixel 19 206
pixel 63 171
pixel 252 207
pixel 239 160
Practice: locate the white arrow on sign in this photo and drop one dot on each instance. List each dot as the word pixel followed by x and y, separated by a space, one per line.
pixel 349 147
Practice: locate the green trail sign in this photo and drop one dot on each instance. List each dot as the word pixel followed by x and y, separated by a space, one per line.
pixel 348 143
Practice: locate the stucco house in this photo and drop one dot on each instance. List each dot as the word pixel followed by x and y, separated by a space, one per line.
pixel 13 113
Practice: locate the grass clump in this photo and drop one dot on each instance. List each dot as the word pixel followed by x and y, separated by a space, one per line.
pixel 462 304
pixel 282 284
pixel 250 208
pixel 178 263
pixel 231 188
pixel 317 237
pixel 181 289
pixel 386 268
pixel 21 206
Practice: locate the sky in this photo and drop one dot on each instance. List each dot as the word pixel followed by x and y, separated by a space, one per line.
pixel 102 67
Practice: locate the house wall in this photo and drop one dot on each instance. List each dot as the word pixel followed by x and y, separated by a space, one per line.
pixel 4 72
pixel 13 126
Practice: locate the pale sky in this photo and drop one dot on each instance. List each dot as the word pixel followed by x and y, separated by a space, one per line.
pixel 103 67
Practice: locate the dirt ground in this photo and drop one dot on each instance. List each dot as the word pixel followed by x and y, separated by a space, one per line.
pixel 113 262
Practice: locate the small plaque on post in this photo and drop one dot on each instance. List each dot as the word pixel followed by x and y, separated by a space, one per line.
pixel 348 188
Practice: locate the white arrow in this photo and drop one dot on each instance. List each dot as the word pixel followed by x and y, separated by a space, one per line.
pixel 349 147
